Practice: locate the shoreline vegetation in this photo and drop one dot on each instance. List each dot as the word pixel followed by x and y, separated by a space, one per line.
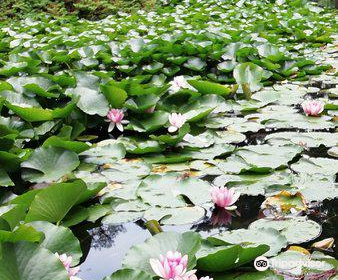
pixel 88 9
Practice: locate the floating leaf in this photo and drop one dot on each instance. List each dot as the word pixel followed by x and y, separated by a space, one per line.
pixel 186 243
pixel 221 258
pixel 285 203
pixel 129 274
pixel 29 261
pixel 170 189
pixel 268 236
pixel 206 87
pixel 296 230
pixel 54 202
pixel 47 164
pixel 59 239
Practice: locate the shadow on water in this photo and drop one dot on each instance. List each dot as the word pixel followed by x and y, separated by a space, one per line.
pixel 104 246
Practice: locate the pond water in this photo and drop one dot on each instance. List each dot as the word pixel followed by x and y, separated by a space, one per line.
pixel 105 246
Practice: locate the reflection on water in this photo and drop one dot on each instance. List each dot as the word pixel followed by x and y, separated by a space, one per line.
pixel 105 256
pixel 104 236
pixel 104 246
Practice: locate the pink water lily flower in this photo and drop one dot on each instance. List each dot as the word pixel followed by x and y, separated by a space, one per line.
pixel 115 117
pixel 313 107
pixel 224 197
pixel 176 122
pixel 172 266
pixel 67 262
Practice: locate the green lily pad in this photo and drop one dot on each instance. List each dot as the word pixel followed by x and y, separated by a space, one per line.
pixel 129 274
pixel 206 87
pixel 21 233
pixel 170 189
pixel 29 261
pixel 41 165
pixel 318 165
pixel 257 275
pixel 296 230
pixel 175 216
pixel 59 239
pixel 268 236
pixel 54 202
pixel 221 258
pixel 250 75
pixel 186 243
pixel 172 139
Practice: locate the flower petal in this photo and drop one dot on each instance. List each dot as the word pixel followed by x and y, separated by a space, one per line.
pixel 111 127
pixel 157 267
pixel 172 129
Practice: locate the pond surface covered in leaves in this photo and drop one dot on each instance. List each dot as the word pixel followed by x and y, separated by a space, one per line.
pixel 114 129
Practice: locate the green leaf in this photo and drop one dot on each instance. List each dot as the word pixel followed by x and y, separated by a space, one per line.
pixel 90 101
pixel 142 102
pixel 54 202
pixel 206 87
pixel 21 233
pixel 186 243
pixel 5 180
pixel 306 229
pixel 257 275
pixel 13 214
pixel 35 114
pixel 129 274
pixel 30 262
pixel 149 124
pixel 55 141
pixel 323 264
pixel 175 216
pixel 59 239
pixel 268 236
pixel 105 152
pixel 115 96
pixel 140 146
pixel 221 258
pixel 169 189
pixel 195 64
pixel 10 162
pixel 48 164
pixel 250 75
pixel 173 139
pixel 31 114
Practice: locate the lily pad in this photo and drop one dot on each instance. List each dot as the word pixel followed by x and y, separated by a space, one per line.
pixel 186 243
pixel 59 239
pixel 296 230
pixel 175 216
pixel 169 190
pixel 129 274
pixel 40 167
pixel 268 236
pixel 220 258
pixel 29 261
pixel 54 202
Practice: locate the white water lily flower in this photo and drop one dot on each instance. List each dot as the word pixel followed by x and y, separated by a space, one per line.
pixel 179 83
